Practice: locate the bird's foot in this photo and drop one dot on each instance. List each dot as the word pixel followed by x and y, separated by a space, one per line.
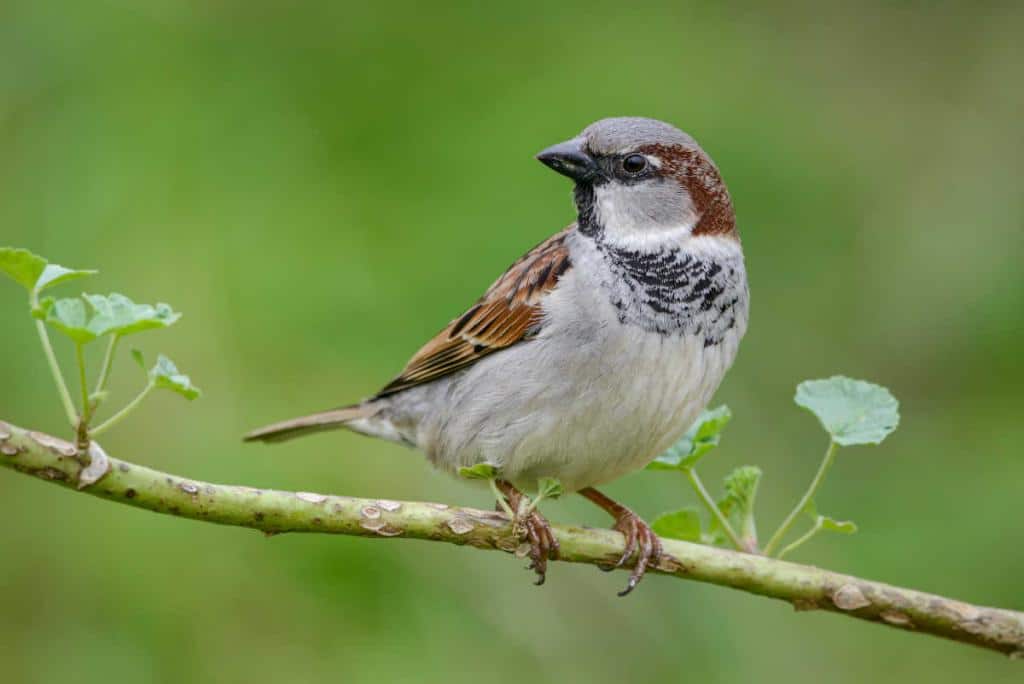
pixel 532 527
pixel 543 545
pixel 640 538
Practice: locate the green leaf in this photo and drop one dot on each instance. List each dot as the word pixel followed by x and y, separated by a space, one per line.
pixel 139 358
pixel 740 492
pixel 22 266
pixel 119 315
pixel 683 524
pixel 481 471
pixel 851 411
pixel 54 274
pixel 711 423
pixel 840 526
pixel 85 318
pixel 827 523
pixel 549 488
pixel 737 506
pixel 167 376
pixel 702 437
pixel 70 316
pixel 741 485
pixel 33 272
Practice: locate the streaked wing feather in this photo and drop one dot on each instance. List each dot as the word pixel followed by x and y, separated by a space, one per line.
pixel 508 313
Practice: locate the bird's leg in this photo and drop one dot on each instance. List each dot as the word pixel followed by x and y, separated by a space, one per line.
pixel 528 523
pixel 640 539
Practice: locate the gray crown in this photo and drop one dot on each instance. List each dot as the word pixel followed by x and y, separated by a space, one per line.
pixel 616 135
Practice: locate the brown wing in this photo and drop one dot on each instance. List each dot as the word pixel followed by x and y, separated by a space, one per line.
pixel 509 312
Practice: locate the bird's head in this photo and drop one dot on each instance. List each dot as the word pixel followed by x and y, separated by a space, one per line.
pixel 641 183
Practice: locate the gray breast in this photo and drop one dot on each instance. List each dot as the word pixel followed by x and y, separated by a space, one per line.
pixel 677 292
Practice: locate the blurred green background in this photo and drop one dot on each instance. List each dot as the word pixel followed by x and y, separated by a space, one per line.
pixel 321 186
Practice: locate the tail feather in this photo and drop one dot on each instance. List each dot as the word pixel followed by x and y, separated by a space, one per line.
pixel 317 422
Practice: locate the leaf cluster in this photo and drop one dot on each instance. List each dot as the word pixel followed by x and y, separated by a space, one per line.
pixel 852 412
pixel 85 319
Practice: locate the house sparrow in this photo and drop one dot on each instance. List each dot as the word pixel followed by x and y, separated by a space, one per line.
pixel 595 351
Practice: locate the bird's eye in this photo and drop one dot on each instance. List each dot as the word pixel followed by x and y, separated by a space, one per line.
pixel 634 163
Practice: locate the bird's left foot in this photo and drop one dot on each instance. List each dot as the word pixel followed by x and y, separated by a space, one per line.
pixel 532 526
pixel 640 538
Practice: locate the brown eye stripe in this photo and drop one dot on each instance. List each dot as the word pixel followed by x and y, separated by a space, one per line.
pixel 508 313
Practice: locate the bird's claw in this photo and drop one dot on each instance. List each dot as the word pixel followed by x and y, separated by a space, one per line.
pixel 543 545
pixel 641 540
pixel 532 527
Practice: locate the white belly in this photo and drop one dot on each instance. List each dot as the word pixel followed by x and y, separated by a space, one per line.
pixel 602 425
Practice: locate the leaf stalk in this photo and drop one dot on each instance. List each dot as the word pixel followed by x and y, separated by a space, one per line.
pixel 58 377
pixel 123 413
pixel 801 506
pixel 709 503
pixel 83 382
pixel 108 362
pixel 817 527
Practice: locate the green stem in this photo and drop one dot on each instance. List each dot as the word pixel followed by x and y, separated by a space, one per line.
pixel 493 482
pixel 108 361
pixel 826 463
pixel 120 415
pixel 705 497
pixel 80 359
pixel 542 494
pixel 810 533
pixel 58 377
pixel 748 532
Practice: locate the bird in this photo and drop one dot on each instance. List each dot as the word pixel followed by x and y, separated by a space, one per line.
pixel 591 354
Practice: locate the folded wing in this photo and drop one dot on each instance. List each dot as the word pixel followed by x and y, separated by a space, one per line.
pixel 508 313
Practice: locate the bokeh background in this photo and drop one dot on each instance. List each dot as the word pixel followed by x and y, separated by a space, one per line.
pixel 320 186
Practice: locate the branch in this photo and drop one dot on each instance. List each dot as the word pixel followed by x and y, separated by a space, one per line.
pixel 274 512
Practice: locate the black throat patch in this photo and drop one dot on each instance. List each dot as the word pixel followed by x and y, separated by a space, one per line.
pixel 673 292
pixel 586 211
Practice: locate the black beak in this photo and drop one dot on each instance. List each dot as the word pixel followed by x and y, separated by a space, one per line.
pixel 570 159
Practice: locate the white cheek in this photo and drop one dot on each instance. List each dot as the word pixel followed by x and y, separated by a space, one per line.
pixel 620 209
